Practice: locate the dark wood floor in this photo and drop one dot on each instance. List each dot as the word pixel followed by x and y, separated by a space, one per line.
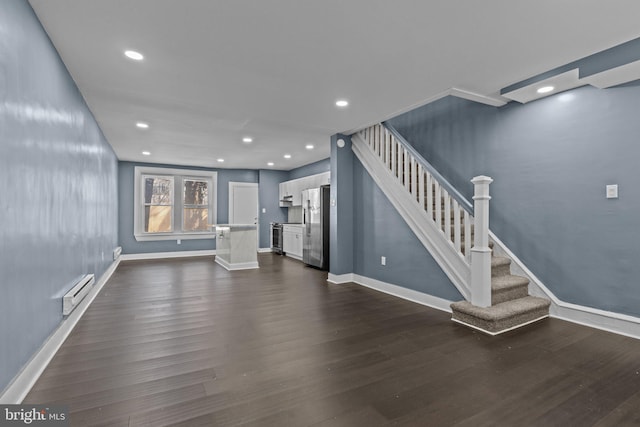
pixel 186 342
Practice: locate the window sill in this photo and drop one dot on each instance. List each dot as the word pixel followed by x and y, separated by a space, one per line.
pixel 174 236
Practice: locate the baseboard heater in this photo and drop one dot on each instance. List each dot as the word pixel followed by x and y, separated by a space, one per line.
pixel 72 298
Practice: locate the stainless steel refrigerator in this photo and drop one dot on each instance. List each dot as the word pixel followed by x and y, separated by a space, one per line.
pixel 315 217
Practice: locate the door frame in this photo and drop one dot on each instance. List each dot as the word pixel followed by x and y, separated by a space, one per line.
pixel 233 185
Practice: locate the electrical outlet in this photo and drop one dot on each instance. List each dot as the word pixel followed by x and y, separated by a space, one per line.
pixel 612 191
pixel 264 210
pixel 383 260
pixel 179 241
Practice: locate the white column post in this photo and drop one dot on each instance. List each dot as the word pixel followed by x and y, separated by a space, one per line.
pixel 481 253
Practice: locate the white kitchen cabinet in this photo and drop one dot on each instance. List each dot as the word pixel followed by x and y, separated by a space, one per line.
pixel 292 241
pixel 296 192
pixel 286 196
pixel 291 191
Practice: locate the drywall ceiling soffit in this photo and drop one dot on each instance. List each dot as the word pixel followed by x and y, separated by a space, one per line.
pixel 614 66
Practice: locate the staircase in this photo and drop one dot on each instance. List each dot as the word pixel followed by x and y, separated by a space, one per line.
pixel 443 220
pixel 511 305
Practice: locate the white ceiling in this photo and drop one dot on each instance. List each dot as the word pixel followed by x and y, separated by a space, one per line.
pixel 218 70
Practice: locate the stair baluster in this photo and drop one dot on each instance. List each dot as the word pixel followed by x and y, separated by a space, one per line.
pixel 495 300
pixel 448 214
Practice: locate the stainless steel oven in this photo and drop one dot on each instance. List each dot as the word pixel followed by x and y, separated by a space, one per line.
pixel 276 237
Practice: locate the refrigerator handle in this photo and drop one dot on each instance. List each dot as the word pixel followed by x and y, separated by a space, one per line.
pixel 307 223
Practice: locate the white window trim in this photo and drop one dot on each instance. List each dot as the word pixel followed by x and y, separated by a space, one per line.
pixel 138 217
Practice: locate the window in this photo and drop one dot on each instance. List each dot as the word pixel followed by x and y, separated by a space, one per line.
pixel 196 205
pixel 158 204
pixel 173 204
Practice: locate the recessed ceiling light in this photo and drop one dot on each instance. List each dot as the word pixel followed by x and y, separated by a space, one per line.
pixel 287 156
pixel 545 89
pixel 146 153
pixel 220 160
pixel 309 146
pixel 134 55
pixel 142 125
pixel 342 103
pixel 247 139
pixel 270 164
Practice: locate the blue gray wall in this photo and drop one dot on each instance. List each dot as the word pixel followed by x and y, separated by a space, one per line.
pixel 59 199
pixel 365 226
pixel 378 231
pixel 126 182
pixel 551 160
pixel 269 195
pixel 341 210
pixel 320 166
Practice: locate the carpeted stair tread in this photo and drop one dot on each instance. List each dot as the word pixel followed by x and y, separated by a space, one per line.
pixel 508 287
pixel 503 310
pixel 501 317
pixel 510 281
pixel 500 266
pixel 497 261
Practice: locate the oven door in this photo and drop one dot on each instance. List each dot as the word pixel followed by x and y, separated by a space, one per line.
pixel 276 238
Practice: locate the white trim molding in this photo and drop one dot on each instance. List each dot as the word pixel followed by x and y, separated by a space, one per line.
pixel 404 293
pixel 432 238
pixel 22 383
pixel 616 323
pixel 237 265
pixel 494 101
pixel 338 279
pixel 177 177
pixel 609 321
pixel 391 289
pixel 264 250
pixel 484 331
pixel 162 255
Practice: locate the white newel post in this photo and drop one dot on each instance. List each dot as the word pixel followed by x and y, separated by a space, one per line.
pixel 481 253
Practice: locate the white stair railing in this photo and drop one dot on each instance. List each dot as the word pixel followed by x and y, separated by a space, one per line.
pixel 444 205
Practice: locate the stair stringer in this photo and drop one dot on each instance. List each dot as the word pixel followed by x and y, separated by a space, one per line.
pixel 433 239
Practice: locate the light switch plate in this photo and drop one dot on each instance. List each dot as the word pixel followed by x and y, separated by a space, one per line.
pixel 612 191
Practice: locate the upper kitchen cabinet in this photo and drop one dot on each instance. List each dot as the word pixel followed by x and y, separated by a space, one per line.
pixel 291 191
pixel 286 196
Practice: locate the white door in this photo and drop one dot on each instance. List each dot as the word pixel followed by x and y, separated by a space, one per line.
pixel 243 204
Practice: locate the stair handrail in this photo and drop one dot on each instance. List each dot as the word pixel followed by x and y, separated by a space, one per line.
pixel 453 192
pixel 411 170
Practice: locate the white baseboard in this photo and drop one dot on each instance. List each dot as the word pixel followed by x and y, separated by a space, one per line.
pixel 339 279
pixel 616 323
pixel 391 289
pixel 609 321
pixel 237 265
pixel 22 383
pixel 264 250
pixel 404 293
pixel 161 255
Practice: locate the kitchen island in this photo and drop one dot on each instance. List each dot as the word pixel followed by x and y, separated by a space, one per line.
pixel 236 246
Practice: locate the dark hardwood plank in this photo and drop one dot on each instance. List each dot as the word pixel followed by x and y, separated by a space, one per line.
pixel 185 342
